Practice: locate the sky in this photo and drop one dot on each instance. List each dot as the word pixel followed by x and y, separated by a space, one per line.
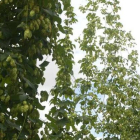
pixel 130 19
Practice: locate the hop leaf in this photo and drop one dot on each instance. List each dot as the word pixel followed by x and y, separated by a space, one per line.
pixel 44 96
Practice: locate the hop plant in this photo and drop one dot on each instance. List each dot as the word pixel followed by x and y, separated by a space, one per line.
pixel 27 34
pixel 44 96
pixel 12 63
pixel 7 99
pixel 8 59
pixel 2 117
pixel 32 13
pixel 1 35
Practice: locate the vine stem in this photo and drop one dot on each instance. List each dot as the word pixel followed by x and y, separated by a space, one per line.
pixel 22 126
pixel 28 12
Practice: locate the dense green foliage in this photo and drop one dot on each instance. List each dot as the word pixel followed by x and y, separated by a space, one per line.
pixel 110 92
pixel 108 95
pixel 29 31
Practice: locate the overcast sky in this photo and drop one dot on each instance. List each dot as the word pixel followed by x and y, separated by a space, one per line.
pixel 130 18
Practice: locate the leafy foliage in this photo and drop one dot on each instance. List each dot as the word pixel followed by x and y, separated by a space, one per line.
pixel 111 88
pixel 108 95
pixel 29 31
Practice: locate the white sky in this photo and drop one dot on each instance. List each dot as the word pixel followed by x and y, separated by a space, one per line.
pixel 131 20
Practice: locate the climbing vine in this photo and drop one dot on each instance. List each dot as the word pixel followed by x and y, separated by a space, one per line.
pixel 107 94
pixel 29 31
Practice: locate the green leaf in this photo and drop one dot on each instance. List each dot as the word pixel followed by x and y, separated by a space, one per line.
pixel 55 137
pixel 11 124
pixel 30 84
pixel 62 122
pixel 44 64
pixel 4 56
pixel 22 25
pixel 2 127
pixel 23 134
pixel 78 136
pixel 53 15
pixel 50 12
pixel 50 118
pixel 20 96
pixel 62 29
pixel 44 96
pixel 38 105
pixel 66 4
